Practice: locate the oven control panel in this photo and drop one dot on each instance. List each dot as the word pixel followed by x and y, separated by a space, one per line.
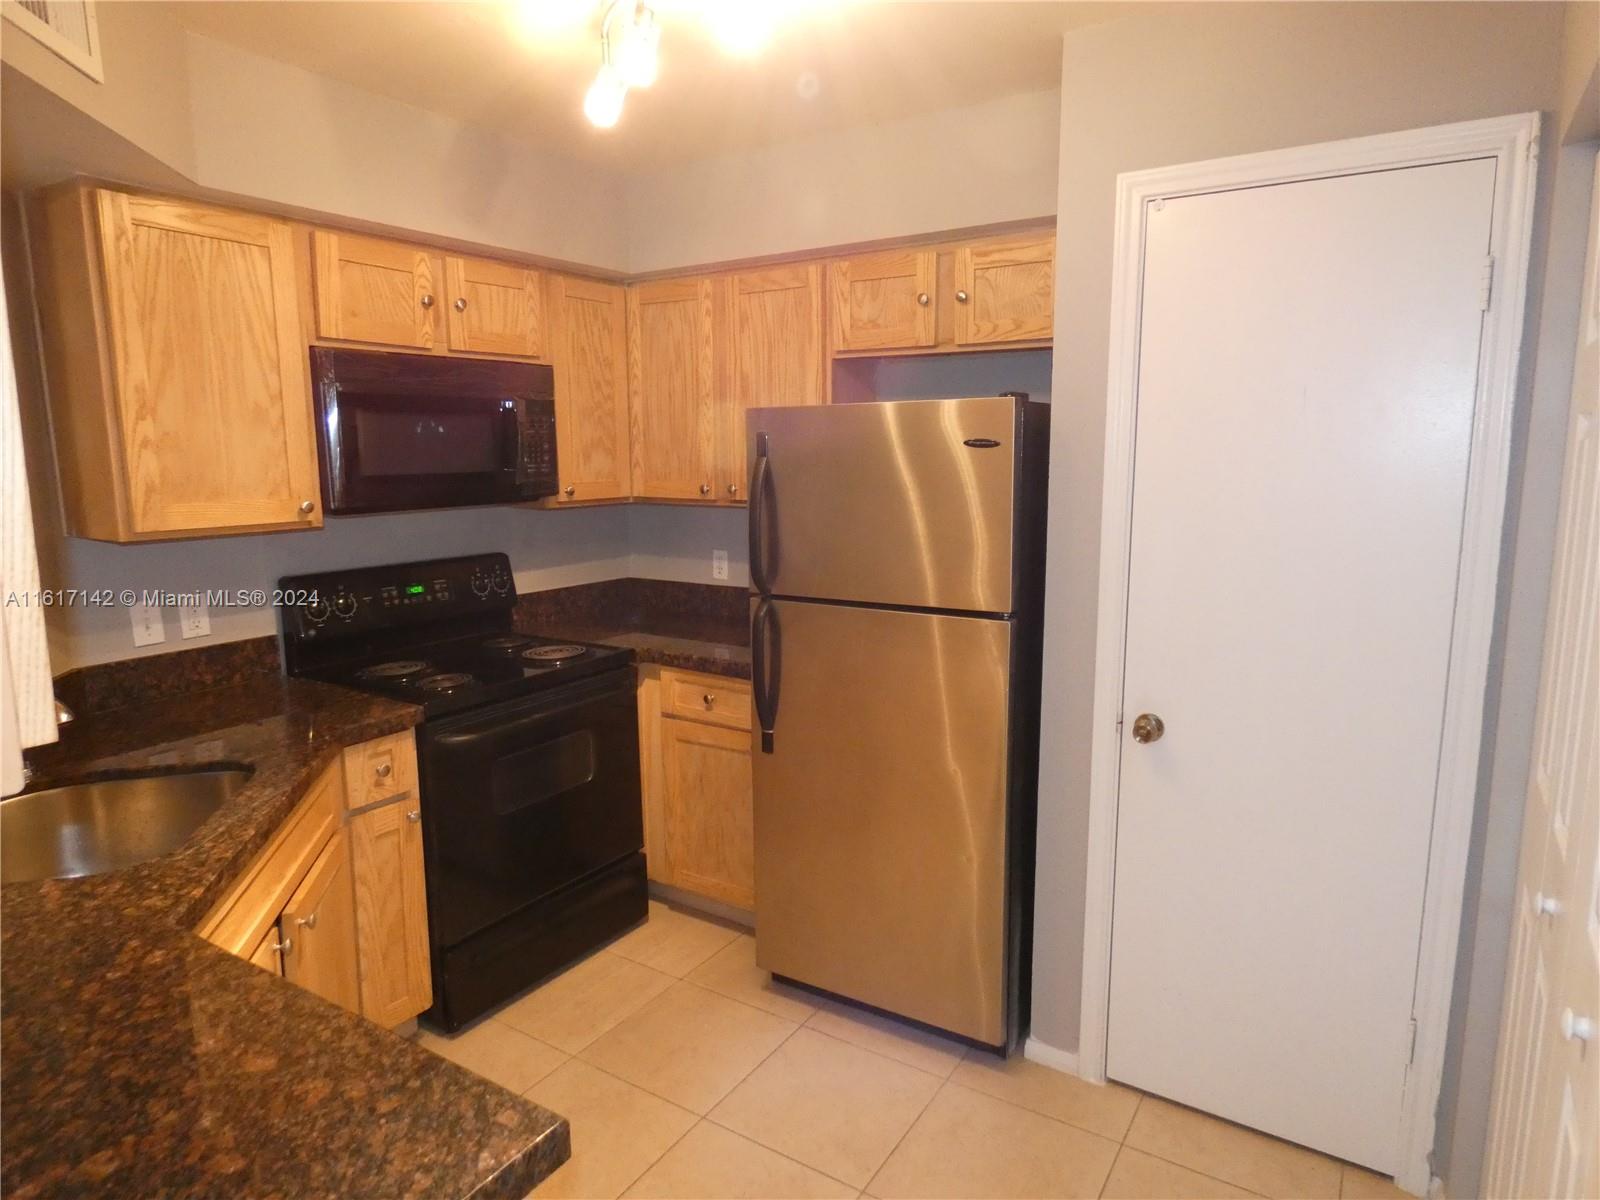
pixel 369 600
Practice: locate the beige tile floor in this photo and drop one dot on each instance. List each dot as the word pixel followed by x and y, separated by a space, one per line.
pixel 687 1072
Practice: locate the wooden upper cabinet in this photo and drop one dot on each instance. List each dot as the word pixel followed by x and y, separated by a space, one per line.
pixel 672 389
pixel 772 353
pixel 1005 291
pixel 494 308
pixel 179 385
pixel 590 352
pixel 372 290
pixel 391 911
pixel 319 923
pixel 883 301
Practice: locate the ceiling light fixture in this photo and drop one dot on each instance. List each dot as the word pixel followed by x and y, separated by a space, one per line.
pixel 628 58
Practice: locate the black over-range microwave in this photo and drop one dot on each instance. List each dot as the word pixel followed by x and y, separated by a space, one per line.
pixel 403 431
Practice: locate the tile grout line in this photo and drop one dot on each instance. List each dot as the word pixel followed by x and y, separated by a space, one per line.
pixel 755 1141
pixel 1034 1112
pixel 905 1133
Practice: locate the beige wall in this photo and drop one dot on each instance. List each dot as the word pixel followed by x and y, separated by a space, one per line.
pixel 982 164
pixel 1201 82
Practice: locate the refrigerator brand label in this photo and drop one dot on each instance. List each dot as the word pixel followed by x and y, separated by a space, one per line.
pixel 981 443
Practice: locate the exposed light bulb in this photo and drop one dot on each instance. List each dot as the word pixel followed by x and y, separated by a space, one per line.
pixel 602 103
pixel 638 42
pixel 536 19
pixel 743 27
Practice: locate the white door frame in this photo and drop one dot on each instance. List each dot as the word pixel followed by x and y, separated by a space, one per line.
pixel 1513 142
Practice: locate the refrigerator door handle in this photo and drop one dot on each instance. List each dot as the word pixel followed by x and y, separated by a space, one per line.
pixel 760 484
pixel 765 661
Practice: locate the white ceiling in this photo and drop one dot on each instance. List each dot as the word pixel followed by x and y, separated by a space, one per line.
pixel 832 64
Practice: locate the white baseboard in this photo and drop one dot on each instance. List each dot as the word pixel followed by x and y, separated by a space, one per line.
pixel 1050 1056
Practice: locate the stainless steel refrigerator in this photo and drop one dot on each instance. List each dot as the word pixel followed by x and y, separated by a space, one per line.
pixel 896 563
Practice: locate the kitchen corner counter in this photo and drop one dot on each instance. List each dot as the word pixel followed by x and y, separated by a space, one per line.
pixel 139 1059
pixel 717 653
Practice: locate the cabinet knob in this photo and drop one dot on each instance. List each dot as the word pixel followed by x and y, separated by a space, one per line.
pixel 284 946
pixel 705 489
pixel 414 815
pixel 709 699
pixel 384 770
pixel 1576 1028
pixel 461 304
pixel 569 490
pixel 1546 906
pixel 427 300
pixel 924 299
pixel 307 922
pixel 961 297
pixel 308 507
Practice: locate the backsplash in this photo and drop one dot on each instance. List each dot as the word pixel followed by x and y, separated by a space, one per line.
pixel 684 610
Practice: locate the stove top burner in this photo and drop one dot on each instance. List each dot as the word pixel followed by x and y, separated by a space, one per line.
pixel 509 641
pixel 390 671
pixel 554 655
pixel 448 681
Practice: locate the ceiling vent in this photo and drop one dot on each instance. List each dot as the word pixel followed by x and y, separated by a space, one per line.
pixel 65 27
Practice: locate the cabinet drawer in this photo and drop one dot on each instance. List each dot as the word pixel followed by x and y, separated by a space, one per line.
pixel 382 769
pixel 712 699
pixel 242 919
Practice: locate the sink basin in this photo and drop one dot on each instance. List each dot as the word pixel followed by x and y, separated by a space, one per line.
pixel 107 824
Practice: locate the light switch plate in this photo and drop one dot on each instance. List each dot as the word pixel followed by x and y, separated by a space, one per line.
pixel 719 564
pixel 148 627
pixel 194 620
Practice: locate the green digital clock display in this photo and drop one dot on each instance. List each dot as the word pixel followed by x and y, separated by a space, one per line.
pixel 414 589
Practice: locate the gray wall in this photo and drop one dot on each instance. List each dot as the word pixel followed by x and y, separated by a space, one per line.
pixel 1202 82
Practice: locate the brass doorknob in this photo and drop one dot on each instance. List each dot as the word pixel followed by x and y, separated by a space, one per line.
pixel 1147 728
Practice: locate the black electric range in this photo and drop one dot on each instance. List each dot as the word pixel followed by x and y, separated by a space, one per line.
pixel 528 764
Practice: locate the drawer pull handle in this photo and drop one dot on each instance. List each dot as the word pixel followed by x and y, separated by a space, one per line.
pixel 307 922
pixel 414 815
pixel 284 946
pixel 385 770
pixel 709 699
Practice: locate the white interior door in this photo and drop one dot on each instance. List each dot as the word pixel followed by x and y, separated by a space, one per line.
pixel 1544 1139
pixel 1307 372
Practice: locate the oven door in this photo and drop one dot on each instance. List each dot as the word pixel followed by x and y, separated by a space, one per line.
pixel 405 431
pixel 524 798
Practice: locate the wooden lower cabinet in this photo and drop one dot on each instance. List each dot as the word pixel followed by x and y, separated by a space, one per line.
pixel 699 825
pixel 391 912
pixel 318 928
pixel 336 901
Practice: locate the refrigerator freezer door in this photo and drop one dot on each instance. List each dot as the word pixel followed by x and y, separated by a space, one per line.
pixel 881 811
pixel 905 503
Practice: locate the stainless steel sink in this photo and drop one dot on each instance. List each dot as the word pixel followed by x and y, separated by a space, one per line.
pixel 107 824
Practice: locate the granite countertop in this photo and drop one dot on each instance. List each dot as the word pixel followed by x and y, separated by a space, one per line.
pixel 138 1059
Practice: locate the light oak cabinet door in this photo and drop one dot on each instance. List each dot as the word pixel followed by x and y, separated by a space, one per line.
pixel 883 301
pixel 179 385
pixel 1005 291
pixel 590 323
pixel 672 389
pixel 391 912
pixel 319 928
pixel 494 308
pixel 266 955
pixel 373 290
pixel 707 810
pixel 772 356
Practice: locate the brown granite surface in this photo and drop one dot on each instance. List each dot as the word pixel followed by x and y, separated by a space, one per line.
pixel 139 1060
pixel 134 681
pixel 693 626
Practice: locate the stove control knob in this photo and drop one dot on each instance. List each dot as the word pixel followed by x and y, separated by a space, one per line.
pixel 344 604
pixel 480 583
pixel 316 610
pixel 502 582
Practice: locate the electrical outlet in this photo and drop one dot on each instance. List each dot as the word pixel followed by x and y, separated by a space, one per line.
pixel 719 564
pixel 194 620
pixel 148 627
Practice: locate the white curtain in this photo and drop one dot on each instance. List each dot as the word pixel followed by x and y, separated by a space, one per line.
pixel 27 701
